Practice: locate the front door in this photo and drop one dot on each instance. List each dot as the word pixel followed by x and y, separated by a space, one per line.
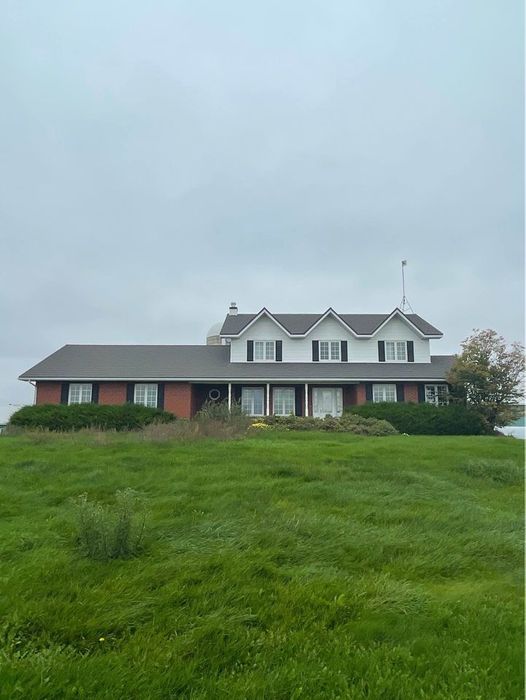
pixel 327 401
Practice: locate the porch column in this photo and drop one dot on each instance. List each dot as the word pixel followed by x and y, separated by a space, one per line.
pixel 306 399
pixel 229 396
pixel 268 401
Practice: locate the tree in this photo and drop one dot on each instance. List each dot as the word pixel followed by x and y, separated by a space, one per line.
pixel 488 375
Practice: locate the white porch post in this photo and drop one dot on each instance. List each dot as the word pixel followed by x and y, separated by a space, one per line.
pixel 229 396
pixel 268 400
pixel 306 399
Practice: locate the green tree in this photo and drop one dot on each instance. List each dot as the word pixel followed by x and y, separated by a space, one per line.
pixel 488 374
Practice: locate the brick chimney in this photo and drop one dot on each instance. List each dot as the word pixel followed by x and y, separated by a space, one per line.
pixel 232 309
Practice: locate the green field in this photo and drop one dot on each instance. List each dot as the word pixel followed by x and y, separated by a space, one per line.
pixel 287 565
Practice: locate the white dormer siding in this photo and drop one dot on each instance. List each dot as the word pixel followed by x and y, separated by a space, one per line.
pixel 300 349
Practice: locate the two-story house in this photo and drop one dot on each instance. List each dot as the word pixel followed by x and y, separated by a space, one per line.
pixel 305 364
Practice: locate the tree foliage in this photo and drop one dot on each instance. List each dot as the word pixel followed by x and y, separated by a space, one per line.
pixel 488 375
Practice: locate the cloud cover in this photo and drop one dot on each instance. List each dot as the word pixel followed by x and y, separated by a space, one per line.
pixel 161 159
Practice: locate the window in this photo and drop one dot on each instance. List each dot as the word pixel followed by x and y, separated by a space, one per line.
pixel 146 394
pixel 79 393
pixel 284 400
pixel 437 394
pixel 396 351
pixel 264 350
pixel 330 350
pixel 384 392
pixel 252 400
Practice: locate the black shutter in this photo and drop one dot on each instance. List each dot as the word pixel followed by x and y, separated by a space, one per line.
pixel 410 351
pixel 64 392
pixel 250 351
pixel 298 396
pixel 344 352
pixel 315 351
pixel 279 350
pixel 368 391
pixel 130 390
pixel 381 351
pixel 421 393
pixel 160 395
pixel 400 396
pixel 94 393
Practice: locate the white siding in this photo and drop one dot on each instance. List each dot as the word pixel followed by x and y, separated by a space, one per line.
pixel 300 349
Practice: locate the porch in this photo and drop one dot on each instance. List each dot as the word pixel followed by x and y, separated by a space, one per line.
pixel 264 399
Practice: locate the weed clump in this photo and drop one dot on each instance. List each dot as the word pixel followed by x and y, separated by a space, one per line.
pixel 110 531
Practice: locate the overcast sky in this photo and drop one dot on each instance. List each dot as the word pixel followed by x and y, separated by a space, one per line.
pixel 160 159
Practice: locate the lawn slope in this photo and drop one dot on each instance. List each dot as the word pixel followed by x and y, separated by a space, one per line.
pixel 281 566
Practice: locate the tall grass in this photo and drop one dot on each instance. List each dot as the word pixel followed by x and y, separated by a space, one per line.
pixel 110 531
pixel 285 565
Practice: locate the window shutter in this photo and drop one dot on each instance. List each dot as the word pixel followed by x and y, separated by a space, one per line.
pixel 400 394
pixel 64 392
pixel 410 351
pixel 381 351
pixel 298 401
pixel 344 353
pixel 368 391
pixel 421 393
pixel 130 393
pixel 94 393
pixel 160 395
pixel 279 350
pixel 315 351
pixel 250 351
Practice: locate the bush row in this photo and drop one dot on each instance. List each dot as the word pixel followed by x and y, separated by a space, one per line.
pixel 346 424
pixel 87 415
pixel 426 419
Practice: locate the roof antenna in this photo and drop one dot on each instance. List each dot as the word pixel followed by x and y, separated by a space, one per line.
pixel 405 306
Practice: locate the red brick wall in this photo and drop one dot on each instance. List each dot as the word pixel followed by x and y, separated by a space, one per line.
pixel 360 394
pixel 411 392
pixel 112 393
pixel 48 392
pixel 178 399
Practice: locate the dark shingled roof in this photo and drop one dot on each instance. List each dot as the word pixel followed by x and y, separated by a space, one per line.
pixel 211 362
pixel 299 324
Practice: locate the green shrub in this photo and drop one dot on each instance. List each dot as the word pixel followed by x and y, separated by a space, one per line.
pixel 425 419
pixel 60 417
pixel 346 424
pixel 110 532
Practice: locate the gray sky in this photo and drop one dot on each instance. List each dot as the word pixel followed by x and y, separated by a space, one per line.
pixel 159 159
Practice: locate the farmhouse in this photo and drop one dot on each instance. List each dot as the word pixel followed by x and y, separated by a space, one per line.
pixel 306 364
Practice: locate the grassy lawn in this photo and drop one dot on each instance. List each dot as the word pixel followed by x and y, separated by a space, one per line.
pixel 287 565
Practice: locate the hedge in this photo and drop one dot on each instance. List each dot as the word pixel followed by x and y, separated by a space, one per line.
pixel 60 417
pixel 346 424
pixel 426 419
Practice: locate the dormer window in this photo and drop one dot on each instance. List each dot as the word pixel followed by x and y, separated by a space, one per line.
pixel 330 350
pixel 264 350
pixel 396 351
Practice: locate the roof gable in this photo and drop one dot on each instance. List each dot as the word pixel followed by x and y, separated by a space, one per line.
pixel 300 325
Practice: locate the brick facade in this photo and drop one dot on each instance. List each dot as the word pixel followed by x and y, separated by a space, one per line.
pixel 178 399
pixel 48 392
pixel 183 399
pixel 411 393
pixel 112 393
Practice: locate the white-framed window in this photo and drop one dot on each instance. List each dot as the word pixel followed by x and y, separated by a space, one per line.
pixel 146 394
pixel 396 350
pixel 384 392
pixel 264 350
pixel 437 394
pixel 330 350
pixel 80 393
pixel 253 400
pixel 284 401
